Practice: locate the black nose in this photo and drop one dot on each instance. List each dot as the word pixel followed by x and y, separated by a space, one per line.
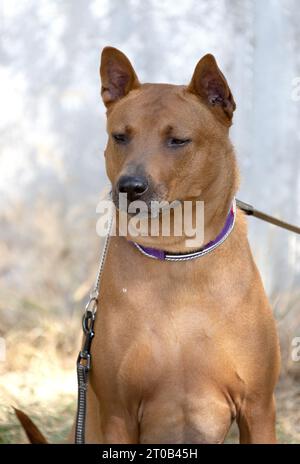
pixel 134 186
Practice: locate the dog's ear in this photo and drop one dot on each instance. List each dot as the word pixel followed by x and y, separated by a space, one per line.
pixel 117 75
pixel 210 85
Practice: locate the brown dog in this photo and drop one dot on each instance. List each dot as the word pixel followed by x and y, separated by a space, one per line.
pixel 181 348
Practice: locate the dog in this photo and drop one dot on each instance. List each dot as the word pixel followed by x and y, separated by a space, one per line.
pixel 182 347
pixel 190 345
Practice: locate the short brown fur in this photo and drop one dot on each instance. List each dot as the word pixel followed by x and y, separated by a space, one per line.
pixel 189 346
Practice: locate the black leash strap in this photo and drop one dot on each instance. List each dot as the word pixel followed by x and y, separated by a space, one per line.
pixel 83 368
pixel 251 211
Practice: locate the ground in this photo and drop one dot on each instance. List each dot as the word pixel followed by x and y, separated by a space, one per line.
pixel 45 386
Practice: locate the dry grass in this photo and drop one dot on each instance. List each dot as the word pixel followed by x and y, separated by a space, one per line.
pixel 39 377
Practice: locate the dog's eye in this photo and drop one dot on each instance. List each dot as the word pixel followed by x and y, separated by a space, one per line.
pixel 121 139
pixel 175 142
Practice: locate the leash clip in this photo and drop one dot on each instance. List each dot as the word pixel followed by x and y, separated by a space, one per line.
pixel 88 320
pixel 84 360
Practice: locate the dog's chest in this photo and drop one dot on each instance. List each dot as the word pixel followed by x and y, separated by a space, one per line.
pixel 171 361
pixel 156 329
pixel 145 343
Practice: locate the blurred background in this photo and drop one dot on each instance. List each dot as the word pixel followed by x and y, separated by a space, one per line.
pixel 52 126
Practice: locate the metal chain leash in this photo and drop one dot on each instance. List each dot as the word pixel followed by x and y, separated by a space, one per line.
pixel 84 356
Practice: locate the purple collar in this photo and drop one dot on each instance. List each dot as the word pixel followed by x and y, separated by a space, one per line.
pixel 210 246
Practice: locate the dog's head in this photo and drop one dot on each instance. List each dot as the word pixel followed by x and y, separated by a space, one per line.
pixel 166 142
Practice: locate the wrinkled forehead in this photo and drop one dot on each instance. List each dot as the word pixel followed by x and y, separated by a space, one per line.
pixel 159 106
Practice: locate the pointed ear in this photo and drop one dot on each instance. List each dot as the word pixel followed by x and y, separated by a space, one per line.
pixel 209 83
pixel 117 75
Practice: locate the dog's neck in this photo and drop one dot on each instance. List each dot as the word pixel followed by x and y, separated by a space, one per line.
pixel 203 250
pixel 217 200
pixel 215 217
